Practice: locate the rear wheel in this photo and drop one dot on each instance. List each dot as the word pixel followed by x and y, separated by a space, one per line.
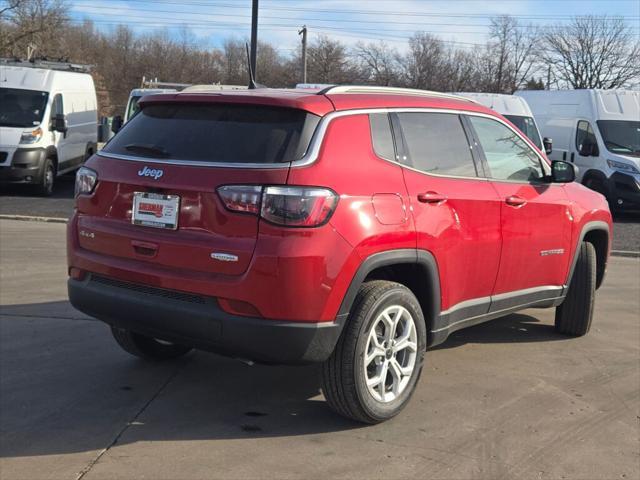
pixel 45 187
pixel 574 316
pixel 147 347
pixel 377 362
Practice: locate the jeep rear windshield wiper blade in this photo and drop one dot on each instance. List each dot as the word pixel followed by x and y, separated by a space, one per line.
pixel 151 150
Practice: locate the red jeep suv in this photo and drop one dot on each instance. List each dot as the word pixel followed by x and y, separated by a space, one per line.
pixel 354 226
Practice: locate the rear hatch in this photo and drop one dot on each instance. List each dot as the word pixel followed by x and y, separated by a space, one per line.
pixel 156 199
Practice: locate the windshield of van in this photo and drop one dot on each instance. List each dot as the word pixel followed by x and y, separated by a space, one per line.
pixel 216 133
pixel 527 126
pixel 21 108
pixel 621 136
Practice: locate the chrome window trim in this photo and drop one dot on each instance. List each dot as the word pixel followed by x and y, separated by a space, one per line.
pixel 313 152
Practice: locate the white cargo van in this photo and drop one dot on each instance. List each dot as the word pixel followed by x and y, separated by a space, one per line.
pixel 48 121
pixel 516 110
pixel 598 130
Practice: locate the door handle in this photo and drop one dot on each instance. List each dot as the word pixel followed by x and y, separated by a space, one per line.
pixel 515 201
pixel 431 197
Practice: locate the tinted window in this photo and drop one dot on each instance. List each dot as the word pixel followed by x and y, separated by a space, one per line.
pixel 527 126
pixel 621 136
pixel 436 143
pixel 381 136
pixel 21 108
pixel 508 156
pixel 584 133
pixel 216 133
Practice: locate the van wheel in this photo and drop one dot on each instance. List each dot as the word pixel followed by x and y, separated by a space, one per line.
pixel 148 348
pixel 45 187
pixel 574 316
pixel 377 362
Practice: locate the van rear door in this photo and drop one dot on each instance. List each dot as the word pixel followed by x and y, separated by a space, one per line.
pixel 157 200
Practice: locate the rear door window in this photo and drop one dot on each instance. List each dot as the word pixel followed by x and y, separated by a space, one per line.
pixel 436 143
pixel 216 133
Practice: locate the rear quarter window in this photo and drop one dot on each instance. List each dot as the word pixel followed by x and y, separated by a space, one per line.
pixel 216 133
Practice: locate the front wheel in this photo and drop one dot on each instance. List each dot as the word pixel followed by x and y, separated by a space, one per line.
pixel 148 348
pixel 377 362
pixel 574 316
pixel 45 187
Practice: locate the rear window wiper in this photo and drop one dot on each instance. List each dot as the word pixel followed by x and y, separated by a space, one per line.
pixel 152 150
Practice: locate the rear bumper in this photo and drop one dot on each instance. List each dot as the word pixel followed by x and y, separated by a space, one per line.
pixel 26 166
pixel 198 321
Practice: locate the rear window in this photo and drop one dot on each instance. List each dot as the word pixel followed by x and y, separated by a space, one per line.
pixel 216 133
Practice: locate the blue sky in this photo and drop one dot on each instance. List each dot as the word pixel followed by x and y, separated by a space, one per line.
pixel 462 22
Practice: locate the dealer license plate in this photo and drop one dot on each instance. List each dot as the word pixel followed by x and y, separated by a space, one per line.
pixel 155 210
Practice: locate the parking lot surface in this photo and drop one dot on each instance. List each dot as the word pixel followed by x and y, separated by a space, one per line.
pixel 19 201
pixel 509 399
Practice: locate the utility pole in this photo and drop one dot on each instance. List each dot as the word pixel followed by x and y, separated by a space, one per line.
pixel 254 37
pixel 303 32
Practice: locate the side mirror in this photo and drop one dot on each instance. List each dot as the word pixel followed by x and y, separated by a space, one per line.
pixel 548 145
pixel 59 123
pixel 563 172
pixel 588 149
pixel 116 123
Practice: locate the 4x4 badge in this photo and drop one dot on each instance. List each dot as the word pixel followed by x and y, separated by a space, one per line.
pixel 150 172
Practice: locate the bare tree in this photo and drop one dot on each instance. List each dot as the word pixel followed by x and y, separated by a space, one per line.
pixel 329 62
pixel 510 54
pixel 378 63
pixel 422 66
pixel 593 52
pixel 28 25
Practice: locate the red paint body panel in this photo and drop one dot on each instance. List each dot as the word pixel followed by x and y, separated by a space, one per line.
pixel 462 232
pixel 536 236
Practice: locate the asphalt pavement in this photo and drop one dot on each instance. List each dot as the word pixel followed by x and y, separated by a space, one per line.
pixel 510 399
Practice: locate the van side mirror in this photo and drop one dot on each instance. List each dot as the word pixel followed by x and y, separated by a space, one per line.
pixel 563 172
pixel 59 123
pixel 116 123
pixel 548 145
pixel 588 149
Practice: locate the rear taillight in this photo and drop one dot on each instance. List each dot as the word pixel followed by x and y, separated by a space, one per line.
pixel 241 198
pixel 86 180
pixel 290 206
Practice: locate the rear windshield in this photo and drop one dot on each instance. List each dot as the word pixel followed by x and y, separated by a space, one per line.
pixel 216 133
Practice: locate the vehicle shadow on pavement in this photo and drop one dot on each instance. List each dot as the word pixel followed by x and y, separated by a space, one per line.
pixel 66 387
pixel 514 328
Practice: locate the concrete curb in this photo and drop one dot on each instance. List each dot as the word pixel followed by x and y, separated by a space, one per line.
pixel 30 218
pixel 625 253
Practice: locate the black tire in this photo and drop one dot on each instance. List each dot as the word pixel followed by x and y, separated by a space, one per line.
pixel 147 347
pixel 574 316
pixel 343 374
pixel 47 180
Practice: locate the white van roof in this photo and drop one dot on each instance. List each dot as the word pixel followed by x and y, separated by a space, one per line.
pixel 44 80
pixel 593 103
pixel 501 103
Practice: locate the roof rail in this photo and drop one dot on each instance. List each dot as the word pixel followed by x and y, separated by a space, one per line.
pixel 46 64
pixel 339 89
pixel 154 83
